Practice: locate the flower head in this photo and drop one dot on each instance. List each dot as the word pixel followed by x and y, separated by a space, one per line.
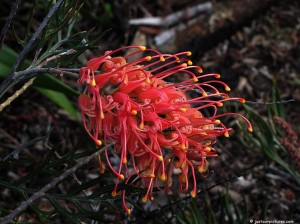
pixel 155 125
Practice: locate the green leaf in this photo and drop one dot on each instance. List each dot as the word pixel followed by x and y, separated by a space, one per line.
pixel 7 57
pixel 60 99
pixel 264 138
pixel 62 211
pixel 4 69
pixel 278 107
pixel 49 86
pixel 47 81
pixel 198 217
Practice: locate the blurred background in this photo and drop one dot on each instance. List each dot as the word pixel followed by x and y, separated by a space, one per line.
pixel 253 44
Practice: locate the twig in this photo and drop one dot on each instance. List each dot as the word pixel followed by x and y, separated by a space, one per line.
pixel 8 79
pixel 36 34
pixel 253 102
pixel 8 21
pixel 35 71
pixel 173 18
pixel 18 149
pixel 271 103
pixel 16 94
pixel 47 187
pixel 38 70
pixel 168 34
pixel 47 60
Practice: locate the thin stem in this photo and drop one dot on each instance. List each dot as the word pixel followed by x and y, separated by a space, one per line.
pixel 47 187
pixel 8 81
pixel 31 73
pixel 36 34
pixel 16 94
pixel 8 21
pixel 271 103
pixel 18 149
pixel 36 71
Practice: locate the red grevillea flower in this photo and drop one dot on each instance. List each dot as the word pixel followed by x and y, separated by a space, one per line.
pixel 154 124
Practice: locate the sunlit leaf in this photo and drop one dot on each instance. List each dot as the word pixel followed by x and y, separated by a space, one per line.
pixel 60 99
pixel 51 87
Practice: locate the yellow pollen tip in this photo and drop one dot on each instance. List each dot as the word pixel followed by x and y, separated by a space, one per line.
pixel 182 178
pixel 184 65
pixel 144 199
pixel 250 129
pixel 217 122
pixel 163 177
pixel 148 81
pixel 142 48
pixel 227 88
pixel 217 76
pixel 141 126
pixel 242 100
pixel 122 177
pixel 183 147
pixel 188 53
pixel 162 59
pixel 200 70
pixel 226 134
pixel 128 211
pixel 98 142
pixel 193 194
pixel 124 160
pixel 201 169
pixel 148 58
pixel 134 112
pixel 101 169
pixel 195 79
pixel 102 116
pixel 204 94
pixel 220 104
pixel 160 158
pixel 152 175
pixel 93 83
pixel 190 62
pixel 183 109
pixel 207 149
pixel 114 193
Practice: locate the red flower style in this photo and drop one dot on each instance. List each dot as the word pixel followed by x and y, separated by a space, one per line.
pixel 155 126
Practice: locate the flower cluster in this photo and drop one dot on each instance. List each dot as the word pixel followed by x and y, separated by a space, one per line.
pixel 291 141
pixel 156 127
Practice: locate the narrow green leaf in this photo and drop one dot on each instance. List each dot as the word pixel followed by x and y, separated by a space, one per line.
pixel 4 69
pixel 181 220
pixel 47 81
pixel 60 99
pixel 8 56
pixel 18 39
pixel 66 214
pixel 89 184
pixel 48 85
pixel 278 107
pixel 197 213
